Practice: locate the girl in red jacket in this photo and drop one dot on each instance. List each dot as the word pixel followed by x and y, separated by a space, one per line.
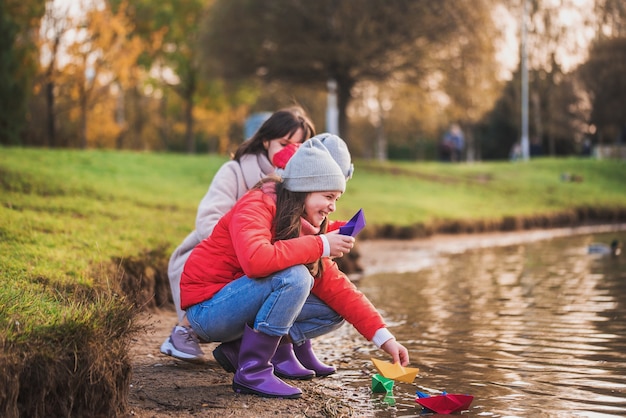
pixel 264 279
pixel 269 148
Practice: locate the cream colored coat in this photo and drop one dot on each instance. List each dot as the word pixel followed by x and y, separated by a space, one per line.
pixel 229 184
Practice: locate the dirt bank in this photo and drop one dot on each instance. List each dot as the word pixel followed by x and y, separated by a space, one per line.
pixel 165 387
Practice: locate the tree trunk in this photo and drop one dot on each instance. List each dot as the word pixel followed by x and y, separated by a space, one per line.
pixel 50 84
pixel 381 140
pixel 189 139
pixel 164 126
pixel 50 129
pixel 537 114
pixel 188 94
pixel 344 95
pixel 470 146
pixel 83 117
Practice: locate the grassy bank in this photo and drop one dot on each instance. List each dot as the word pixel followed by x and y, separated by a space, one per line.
pixel 425 198
pixel 82 234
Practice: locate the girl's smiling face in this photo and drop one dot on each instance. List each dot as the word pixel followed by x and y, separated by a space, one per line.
pixel 318 205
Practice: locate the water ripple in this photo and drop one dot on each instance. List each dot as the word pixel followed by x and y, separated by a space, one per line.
pixel 530 329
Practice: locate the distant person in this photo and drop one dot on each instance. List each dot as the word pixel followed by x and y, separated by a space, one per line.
pixel 445 150
pixel 271 146
pixel 265 277
pixel 587 148
pixel 516 152
pixel 535 150
pixel 452 144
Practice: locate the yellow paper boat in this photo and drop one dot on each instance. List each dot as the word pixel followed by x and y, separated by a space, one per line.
pixel 395 371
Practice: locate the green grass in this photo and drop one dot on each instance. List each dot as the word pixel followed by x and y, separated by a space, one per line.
pixel 64 213
pixel 68 217
pixel 430 192
pixel 73 210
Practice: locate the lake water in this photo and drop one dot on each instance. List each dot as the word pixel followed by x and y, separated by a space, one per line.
pixel 531 329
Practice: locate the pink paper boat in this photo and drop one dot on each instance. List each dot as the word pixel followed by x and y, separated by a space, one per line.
pixel 448 403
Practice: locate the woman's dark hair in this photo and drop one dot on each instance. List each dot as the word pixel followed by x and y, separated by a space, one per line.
pixel 283 122
pixel 289 210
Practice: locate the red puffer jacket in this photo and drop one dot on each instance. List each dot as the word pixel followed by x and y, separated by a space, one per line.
pixel 241 244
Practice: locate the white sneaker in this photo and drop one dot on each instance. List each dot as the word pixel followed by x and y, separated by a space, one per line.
pixel 183 344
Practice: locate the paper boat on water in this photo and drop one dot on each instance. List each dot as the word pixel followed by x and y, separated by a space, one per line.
pixel 395 371
pixel 354 225
pixel 446 403
pixel 381 384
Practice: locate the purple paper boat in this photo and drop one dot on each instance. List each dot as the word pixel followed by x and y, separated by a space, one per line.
pixel 354 225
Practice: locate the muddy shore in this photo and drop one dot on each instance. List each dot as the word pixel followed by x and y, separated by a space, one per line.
pixel 165 387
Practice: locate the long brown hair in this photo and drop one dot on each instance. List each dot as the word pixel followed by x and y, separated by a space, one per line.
pixel 287 222
pixel 283 122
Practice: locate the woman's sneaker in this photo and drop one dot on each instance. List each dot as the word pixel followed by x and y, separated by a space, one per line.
pixel 183 344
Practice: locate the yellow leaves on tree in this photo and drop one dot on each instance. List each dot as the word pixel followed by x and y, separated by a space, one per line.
pixel 102 57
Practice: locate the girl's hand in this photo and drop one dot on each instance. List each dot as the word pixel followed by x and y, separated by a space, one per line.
pixel 397 351
pixel 339 244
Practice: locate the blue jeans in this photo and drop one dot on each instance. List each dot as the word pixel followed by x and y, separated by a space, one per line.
pixel 276 305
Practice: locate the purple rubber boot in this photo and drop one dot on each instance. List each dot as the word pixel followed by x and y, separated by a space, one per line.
pixel 227 354
pixel 255 374
pixel 309 360
pixel 287 366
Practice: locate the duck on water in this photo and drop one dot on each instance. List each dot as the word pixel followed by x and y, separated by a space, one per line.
pixel 614 249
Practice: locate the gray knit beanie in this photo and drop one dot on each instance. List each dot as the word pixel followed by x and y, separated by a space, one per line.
pixel 339 151
pixel 313 169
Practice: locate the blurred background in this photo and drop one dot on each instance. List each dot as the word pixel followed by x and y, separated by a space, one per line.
pixel 395 79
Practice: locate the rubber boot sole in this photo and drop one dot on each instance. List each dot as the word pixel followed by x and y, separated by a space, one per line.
pixel 287 376
pixel 247 391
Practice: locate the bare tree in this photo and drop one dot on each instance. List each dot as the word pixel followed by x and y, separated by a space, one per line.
pixel 348 41
pixel 604 75
pixel 55 24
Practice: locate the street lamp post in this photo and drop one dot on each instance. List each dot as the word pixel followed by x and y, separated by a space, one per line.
pixel 524 58
pixel 332 112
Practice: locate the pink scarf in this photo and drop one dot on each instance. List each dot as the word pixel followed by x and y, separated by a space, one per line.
pixel 307 228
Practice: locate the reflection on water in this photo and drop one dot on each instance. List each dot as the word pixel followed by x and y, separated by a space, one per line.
pixel 536 329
